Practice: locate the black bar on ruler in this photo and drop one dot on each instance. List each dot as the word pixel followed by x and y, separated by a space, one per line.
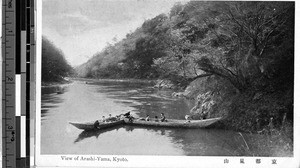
pixel 18 137
pixel 28 4
pixel 27 78
pixel 18 38
pixel 23 15
pixel 28 25
pixel 21 162
pixel 28 48
pixel 27 95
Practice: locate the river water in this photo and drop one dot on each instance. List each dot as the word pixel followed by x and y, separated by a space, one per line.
pixel 89 100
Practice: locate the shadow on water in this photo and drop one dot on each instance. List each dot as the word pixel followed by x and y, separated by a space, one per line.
pixel 215 142
pixel 198 142
pixel 94 133
pixel 209 141
pixel 50 100
pixel 54 89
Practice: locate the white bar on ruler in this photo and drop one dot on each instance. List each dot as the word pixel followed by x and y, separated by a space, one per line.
pixel 23 136
pixel 18 95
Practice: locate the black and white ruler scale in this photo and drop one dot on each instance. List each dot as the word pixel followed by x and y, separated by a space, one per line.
pixel 18 76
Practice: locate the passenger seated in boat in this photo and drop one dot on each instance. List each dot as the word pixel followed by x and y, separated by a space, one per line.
pixel 188 118
pixel 130 118
pixel 96 124
pixel 144 119
pixel 111 119
pixel 126 115
pixel 156 119
pixel 163 118
pixel 103 119
pixel 203 115
pixel 118 117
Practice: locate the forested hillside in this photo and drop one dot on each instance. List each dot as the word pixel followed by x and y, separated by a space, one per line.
pixel 238 41
pixel 105 63
pixel 54 65
pixel 241 53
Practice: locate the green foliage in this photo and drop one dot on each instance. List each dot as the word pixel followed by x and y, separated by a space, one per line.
pixel 54 64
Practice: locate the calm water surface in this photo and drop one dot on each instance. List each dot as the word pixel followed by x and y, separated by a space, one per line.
pixel 83 101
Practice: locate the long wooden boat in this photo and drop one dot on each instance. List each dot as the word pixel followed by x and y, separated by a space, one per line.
pixel 174 123
pixel 92 126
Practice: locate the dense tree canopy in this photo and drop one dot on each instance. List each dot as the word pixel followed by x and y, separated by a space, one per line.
pixel 239 41
pixel 54 64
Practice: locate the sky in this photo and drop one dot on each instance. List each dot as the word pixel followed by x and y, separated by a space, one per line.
pixel 81 28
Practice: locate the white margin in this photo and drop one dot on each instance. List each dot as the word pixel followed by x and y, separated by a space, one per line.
pixel 38 56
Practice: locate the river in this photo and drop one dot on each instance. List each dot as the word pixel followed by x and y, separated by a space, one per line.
pixel 91 99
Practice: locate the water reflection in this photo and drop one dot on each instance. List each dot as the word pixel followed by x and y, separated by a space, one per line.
pixel 145 99
pixel 209 141
pixel 50 99
pixel 94 133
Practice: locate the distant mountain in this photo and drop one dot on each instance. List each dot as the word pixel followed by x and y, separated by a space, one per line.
pixel 109 56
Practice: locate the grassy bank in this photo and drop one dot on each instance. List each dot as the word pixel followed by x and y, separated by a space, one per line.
pixel 264 113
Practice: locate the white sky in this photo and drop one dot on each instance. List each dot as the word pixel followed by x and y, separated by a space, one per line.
pixel 80 28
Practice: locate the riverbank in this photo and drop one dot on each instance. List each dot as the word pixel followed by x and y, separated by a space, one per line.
pixel 127 80
pixel 253 112
pixel 56 83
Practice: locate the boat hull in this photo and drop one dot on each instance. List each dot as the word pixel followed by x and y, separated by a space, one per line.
pixel 91 125
pixel 174 123
pixel 170 123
